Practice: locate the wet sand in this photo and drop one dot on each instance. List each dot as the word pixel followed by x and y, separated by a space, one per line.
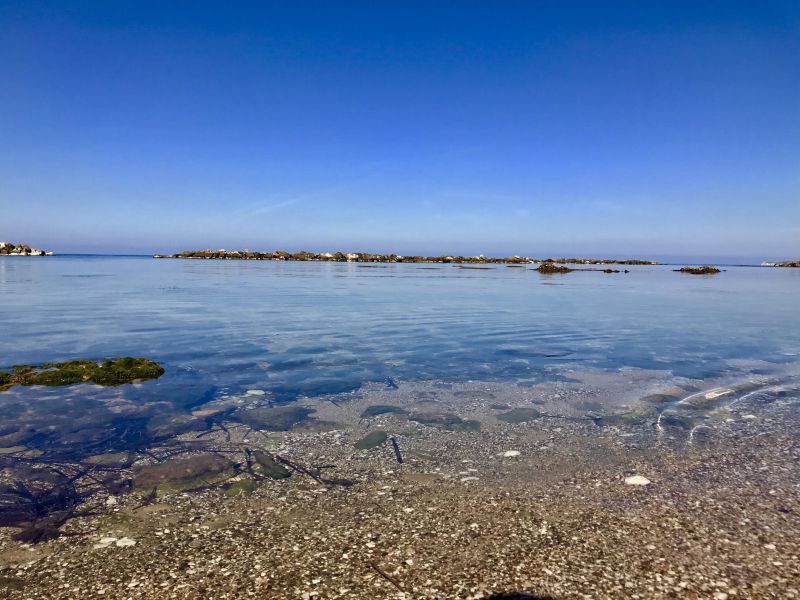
pixel 540 507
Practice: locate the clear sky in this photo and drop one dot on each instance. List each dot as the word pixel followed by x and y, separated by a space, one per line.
pixel 570 128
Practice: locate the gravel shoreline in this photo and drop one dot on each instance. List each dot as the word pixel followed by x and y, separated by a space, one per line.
pixel 539 507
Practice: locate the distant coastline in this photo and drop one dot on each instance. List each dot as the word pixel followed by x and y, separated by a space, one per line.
pixel 11 249
pixel 788 263
pixel 388 258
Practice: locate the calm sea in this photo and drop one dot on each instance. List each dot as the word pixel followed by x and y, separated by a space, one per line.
pixel 306 329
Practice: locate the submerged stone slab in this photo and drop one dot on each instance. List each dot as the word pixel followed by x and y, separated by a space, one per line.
pixel 266 465
pixel 372 440
pixel 519 415
pixel 179 474
pixel 445 420
pixel 278 418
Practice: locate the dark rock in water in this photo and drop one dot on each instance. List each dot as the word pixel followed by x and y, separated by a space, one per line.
pixel 519 415
pixel 445 420
pixel 549 268
pixel 372 440
pixel 279 418
pixel 117 371
pixel 266 465
pixel 698 270
pixel 181 474
pixel 381 409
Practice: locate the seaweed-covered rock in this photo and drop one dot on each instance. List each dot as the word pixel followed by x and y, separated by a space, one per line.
pixel 278 418
pixel 519 415
pixel 372 440
pixel 117 371
pixel 706 270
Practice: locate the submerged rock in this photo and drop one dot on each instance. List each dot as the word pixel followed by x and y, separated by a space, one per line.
pixel 181 474
pixel 279 418
pixel 266 465
pixel 445 420
pixel 382 409
pixel 372 440
pixel 519 415
pixel 243 487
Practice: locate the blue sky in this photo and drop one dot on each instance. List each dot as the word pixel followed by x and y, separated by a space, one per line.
pixel 579 128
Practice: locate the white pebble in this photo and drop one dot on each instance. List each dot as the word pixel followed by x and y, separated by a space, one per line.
pixel 510 453
pixel 637 480
pixel 126 541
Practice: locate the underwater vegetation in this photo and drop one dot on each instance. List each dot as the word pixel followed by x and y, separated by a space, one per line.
pixel 117 371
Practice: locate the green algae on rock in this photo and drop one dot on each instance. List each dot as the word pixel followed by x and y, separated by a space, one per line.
pixel 117 371
pixel 372 440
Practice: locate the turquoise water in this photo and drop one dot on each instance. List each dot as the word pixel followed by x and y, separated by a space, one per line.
pixel 305 329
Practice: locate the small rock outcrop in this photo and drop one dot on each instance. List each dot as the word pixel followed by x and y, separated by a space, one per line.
pixel 549 268
pixel 706 270
pixel 11 249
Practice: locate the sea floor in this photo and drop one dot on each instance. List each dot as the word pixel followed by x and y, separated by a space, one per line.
pixel 596 484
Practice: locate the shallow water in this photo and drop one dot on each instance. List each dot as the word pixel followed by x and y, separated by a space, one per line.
pixel 668 356
pixel 298 329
